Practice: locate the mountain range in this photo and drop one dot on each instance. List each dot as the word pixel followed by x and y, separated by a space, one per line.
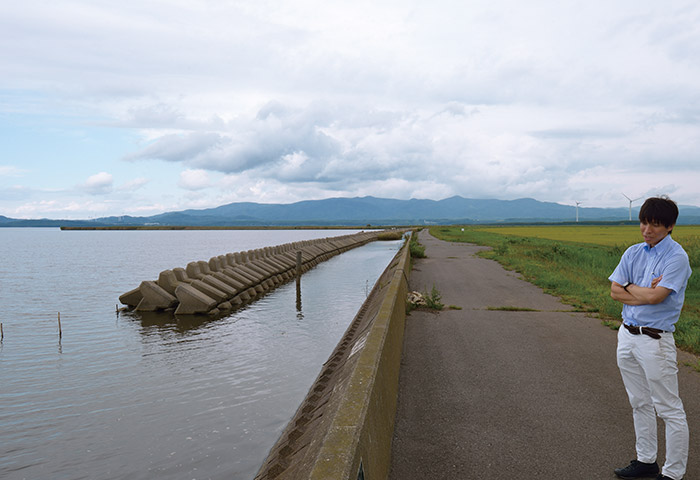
pixel 363 211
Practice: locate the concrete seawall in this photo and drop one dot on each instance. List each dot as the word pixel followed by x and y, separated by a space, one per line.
pixel 343 428
pixel 226 281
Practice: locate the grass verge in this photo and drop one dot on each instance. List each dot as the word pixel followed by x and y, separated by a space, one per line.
pixel 416 248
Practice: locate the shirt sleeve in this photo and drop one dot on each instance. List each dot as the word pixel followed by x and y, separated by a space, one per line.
pixel 675 273
pixel 622 273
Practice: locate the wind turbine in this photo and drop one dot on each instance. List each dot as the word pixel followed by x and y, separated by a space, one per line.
pixel 628 198
pixel 577 204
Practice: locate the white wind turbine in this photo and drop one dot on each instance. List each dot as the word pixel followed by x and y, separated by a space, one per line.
pixel 628 198
pixel 577 204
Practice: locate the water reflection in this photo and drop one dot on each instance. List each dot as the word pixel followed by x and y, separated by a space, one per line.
pixel 168 321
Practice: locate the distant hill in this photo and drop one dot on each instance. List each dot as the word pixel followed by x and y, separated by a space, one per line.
pixel 45 222
pixel 361 211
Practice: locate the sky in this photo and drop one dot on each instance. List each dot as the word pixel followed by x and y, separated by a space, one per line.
pixel 139 107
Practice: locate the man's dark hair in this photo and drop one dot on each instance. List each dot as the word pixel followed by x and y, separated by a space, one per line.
pixel 661 210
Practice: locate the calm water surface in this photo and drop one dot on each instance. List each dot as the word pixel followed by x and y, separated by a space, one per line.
pixel 133 397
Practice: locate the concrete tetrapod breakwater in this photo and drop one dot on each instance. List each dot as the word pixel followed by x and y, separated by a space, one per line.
pixel 343 428
pixel 226 281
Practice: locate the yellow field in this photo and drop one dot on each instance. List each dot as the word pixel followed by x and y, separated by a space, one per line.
pixel 622 235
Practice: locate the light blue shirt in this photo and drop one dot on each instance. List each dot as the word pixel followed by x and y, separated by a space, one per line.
pixel 639 265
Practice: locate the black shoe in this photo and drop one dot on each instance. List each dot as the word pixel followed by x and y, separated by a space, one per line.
pixel 638 469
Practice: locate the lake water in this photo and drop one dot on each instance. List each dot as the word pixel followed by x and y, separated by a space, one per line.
pixel 124 396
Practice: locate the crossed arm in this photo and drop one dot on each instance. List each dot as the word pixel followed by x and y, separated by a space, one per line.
pixel 636 295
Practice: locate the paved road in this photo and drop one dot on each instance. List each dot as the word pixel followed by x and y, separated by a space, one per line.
pixel 493 394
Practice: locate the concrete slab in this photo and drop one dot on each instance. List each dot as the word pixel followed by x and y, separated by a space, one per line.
pixel 131 298
pixel 193 301
pixel 154 298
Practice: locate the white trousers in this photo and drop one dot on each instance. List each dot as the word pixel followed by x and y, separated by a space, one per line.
pixel 650 373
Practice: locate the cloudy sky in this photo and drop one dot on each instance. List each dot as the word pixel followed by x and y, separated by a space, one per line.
pixel 139 107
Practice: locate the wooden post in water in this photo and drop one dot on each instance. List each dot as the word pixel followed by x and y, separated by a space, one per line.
pixel 2 334
pixel 298 282
pixel 60 333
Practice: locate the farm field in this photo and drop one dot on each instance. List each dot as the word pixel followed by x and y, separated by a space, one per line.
pixel 574 263
pixel 611 235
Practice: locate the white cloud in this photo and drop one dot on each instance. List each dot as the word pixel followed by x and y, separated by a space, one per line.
pixel 194 180
pixel 60 209
pixel 133 185
pixel 285 101
pixel 10 171
pixel 478 151
pixel 15 193
pixel 99 184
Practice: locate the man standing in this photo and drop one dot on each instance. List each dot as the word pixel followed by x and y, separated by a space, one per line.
pixel 650 281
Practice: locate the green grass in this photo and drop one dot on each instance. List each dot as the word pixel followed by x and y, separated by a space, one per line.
pixel 433 299
pixel 416 248
pixel 694 365
pixel 389 235
pixel 576 268
pixel 512 309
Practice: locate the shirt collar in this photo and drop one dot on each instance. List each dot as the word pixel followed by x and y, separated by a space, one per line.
pixel 660 247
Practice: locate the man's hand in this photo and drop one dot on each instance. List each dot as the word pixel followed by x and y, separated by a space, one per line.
pixel 636 295
pixel 618 292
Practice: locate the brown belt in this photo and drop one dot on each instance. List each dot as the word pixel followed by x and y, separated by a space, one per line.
pixel 652 332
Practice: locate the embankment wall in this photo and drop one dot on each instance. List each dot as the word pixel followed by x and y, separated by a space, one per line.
pixel 343 428
pixel 226 281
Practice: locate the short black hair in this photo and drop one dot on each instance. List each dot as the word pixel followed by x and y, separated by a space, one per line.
pixel 660 209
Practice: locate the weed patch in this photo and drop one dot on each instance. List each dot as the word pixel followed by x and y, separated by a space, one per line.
pixel 432 299
pixel 416 248
pixel 429 301
pixel 390 235
pixel 512 309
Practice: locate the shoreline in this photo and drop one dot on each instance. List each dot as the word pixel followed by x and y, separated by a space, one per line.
pixel 203 227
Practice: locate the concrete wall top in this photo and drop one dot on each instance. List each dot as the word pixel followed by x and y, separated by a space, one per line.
pixel 347 417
